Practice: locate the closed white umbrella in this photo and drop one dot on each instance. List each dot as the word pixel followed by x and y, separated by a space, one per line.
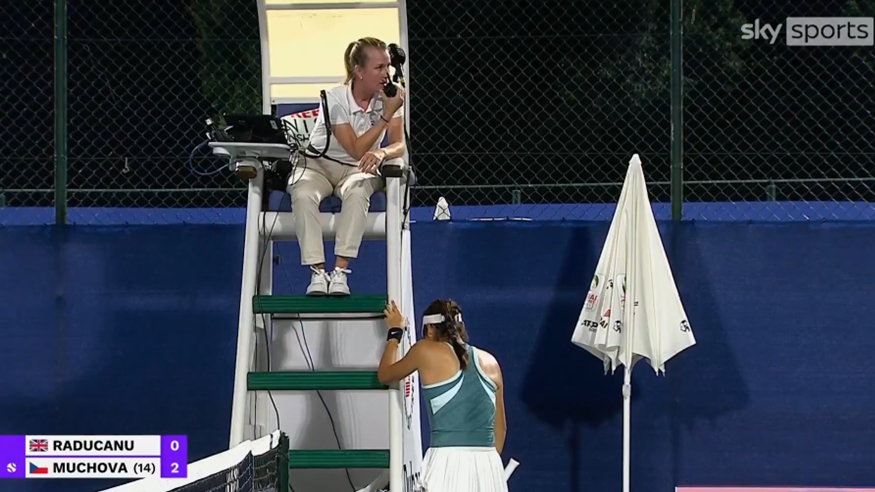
pixel 632 310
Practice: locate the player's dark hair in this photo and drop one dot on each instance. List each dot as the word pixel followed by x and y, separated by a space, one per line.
pixel 452 329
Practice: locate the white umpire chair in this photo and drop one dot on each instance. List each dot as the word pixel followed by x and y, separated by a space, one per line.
pixel 301 54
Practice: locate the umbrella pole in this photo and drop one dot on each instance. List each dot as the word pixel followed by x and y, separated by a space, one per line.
pixel 627 425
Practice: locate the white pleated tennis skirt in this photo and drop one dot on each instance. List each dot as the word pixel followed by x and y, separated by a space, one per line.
pixel 463 469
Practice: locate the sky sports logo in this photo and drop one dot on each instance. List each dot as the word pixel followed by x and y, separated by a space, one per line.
pixel 815 31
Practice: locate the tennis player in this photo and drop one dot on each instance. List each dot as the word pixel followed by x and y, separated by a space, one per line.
pixel 464 394
pixel 361 117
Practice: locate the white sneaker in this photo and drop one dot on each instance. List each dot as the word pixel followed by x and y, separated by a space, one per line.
pixel 318 282
pixel 338 286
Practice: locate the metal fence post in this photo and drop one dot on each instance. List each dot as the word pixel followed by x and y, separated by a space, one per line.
pixel 677 114
pixel 60 111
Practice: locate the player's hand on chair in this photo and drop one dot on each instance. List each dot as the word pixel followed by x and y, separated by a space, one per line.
pixel 394 318
pixel 370 162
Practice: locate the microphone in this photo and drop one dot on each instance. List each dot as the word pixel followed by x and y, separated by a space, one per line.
pixel 397 58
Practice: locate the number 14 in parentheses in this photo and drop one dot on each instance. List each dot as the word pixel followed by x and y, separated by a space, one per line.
pixel 145 467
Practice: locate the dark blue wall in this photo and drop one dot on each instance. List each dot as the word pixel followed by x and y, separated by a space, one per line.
pixel 131 330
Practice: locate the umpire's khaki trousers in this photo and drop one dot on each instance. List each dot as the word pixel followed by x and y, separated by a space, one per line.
pixel 314 181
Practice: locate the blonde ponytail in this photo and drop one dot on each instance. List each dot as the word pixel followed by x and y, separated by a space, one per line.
pixel 348 62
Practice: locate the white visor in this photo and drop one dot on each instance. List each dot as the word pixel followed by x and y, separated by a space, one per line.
pixel 434 319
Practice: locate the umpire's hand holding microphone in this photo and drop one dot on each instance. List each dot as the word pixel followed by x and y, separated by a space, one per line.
pixel 393 99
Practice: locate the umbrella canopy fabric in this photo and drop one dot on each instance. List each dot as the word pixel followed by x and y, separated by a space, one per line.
pixel 633 310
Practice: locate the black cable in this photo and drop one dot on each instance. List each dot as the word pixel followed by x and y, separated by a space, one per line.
pixel 191 161
pixel 308 358
pixel 326 120
pixel 263 316
pixel 408 202
pixel 296 154
pixel 398 58
pixel 267 241
pixel 267 340
pixel 305 346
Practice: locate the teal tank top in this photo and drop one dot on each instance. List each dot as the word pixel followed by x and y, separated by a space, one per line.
pixel 461 410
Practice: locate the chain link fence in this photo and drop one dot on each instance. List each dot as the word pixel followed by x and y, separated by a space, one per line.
pixel 141 80
pixel 532 108
pixel 27 101
pixel 768 122
pixel 144 76
pixel 537 103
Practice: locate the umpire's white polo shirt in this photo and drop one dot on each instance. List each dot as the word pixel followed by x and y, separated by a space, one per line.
pixel 342 108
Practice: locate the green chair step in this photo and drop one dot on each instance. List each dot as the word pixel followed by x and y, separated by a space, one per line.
pixel 313 380
pixel 331 458
pixel 355 304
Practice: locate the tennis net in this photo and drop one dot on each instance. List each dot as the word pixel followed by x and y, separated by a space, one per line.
pixel 252 466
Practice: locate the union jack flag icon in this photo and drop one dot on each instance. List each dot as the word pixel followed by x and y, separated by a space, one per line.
pixel 39 445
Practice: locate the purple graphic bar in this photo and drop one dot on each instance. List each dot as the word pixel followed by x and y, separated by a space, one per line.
pixel 101 456
pixel 12 461
pixel 174 456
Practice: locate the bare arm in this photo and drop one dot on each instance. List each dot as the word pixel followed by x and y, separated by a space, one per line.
pixel 396 145
pixel 500 422
pixel 355 146
pixel 489 364
pixel 391 370
pixel 370 162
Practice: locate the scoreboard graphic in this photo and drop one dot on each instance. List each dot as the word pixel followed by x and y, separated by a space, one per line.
pixel 43 456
